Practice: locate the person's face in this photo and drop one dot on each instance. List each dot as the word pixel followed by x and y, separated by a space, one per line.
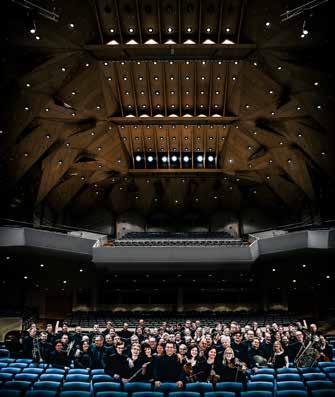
pixel 182 349
pixel 300 337
pixel 169 349
pixel 212 354
pixel 322 339
pixel 32 332
pixel 49 328
pixel 250 336
pixel 96 328
pixel 119 349
pixel 65 328
pixel 226 343
pixel 85 338
pixel 78 330
pixel 178 337
pixel 44 337
pixel 194 352
pixel 65 339
pixel 188 324
pixel 276 346
pixel 237 338
pixel 86 346
pixel 152 343
pixel 135 350
pixel 134 339
pixel 160 349
pixel 255 343
pixel 58 347
pixel 285 340
pixel 268 338
pixel 99 342
pixel 125 326
pixel 139 331
pixel 117 339
pixel 313 328
pixel 229 354
pixel 108 339
pixel 147 351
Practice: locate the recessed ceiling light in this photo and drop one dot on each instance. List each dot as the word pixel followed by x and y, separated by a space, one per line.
pixel 279 67
pixel 187 77
pixel 37 37
pixel 271 92
pixel 28 85
pixel 111 30
pixel 267 24
pixel 189 29
pixel 227 30
pixel 319 107
pixel 26 108
pixel 169 29
pixel 316 83
pixel 171 77
pixel 63 69
pixel 150 30
pixel 131 30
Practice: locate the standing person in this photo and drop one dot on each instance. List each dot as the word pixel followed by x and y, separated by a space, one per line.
pixel 231 369
pixel 58 356
pixel 168 367
pixel 82 357
pixel 117 364
pixel 240 348
pixel 97 353
pixel 193 366
pixel 210 367
pixel 137 364
pixel 279 358
pixel 125 334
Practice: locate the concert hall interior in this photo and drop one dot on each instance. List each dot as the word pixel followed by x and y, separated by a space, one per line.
pixel 171 162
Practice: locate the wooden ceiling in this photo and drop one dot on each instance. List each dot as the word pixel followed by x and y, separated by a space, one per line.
pixel 136 104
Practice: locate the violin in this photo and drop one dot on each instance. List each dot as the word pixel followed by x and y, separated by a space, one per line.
pixel 213 376
pixel 190 375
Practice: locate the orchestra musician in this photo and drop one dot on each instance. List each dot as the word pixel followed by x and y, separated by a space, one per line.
pixel 193 366
pixel 82 357
pixel 210 367
pixel 326 351
pixel 117 364
pixel 279 358
pixel 58 356
pixel 231 369
pixel 168 367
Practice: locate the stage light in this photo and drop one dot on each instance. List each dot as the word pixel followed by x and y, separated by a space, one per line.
pixel 138 158
pixel 200 158
pixel 210 159
pixel 174 158
pixel 150 159
pixel 164 159
pixel 186 159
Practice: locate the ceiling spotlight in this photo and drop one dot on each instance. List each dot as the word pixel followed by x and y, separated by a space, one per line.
pixel 188 30
pixel 131 30
pixel 186 159
pixel 169 29
pixel 33 28
pixel 174 158
pixel 267 24
pixel 37 37
pixel 164 159
pixel 210 159
pixel 199 159
pixel 227 30
pixel 150 30
pixel 150 159
pixel 208 30
pixel 304 29
pixel 111 30
pixel 138 158
pixel 71 25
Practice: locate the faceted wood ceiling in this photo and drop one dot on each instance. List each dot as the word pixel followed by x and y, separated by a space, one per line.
pixel 138 103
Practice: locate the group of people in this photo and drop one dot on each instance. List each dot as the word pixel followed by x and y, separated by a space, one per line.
pixel 188 352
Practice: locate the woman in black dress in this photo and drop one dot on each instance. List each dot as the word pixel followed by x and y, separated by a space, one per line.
pixel 193 366
pixel 279 358
pixel 231 369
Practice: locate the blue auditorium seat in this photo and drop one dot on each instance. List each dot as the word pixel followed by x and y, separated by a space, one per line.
pixel 307 370
pixel 103 378
pixel 98 372
pixel 147 394
pixel 290 385
pixel 75 393
pixel 288 377
pixel 256 393
pixel 3 365
pixel 331 376
pixel 77 378
pixel 80 386
pixel 229 386
pixel 26 377
pixel 323 364
pixel 41 393
pixel 82 371
pixel 42 385
pixel 5 376
pixel 17 385
pixel 18 365
pixel 10 393
pixel 199 387
pixel 262 378
pixel 319 376
pixel 7 360
pixel 266 386
pixel 51 378
pixel 329 370
pixel 167 387
pixel 11 370
pixel 33 371
pixel 4 353
pixel 106 386
pixel 323 393
pixel 24 360
pixel 287 371
pixel 40 365
pixel 111 394
pixel 133 387
pixel 220 394
pixel 269 371
pixel 184 394
pixel 55 371
pixel 320 384
pixel 292 393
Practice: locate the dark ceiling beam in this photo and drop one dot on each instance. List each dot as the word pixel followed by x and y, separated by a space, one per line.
pixel 183 52
pixel 148 80
pixel 195 94
pixel 118 89
pixel 244 4
pixel 180 87
pixel 179 22
pixel 117 12
pixel 173 120
pixel 165 91
pixel 210 89
pixel 178 171
pixel 220 22
pixel 97 16
pixel 199 21
pixel 159 20
pixel 133 89
pixel 139 24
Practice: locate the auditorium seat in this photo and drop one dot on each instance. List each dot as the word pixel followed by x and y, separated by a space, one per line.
pixel 41 393
pixel 199 387
pixel 51 378
pixel 78 371
pixel 137 386
pixel 26 377
pixel 184 394
pixel 4 353
pixel 24 360
pixel 229 386
pixel 320 384
pixel 309 370
pixel 331 376
pixel 74 393
pixel 269 371
pixel 11 370
pixel 3 365
pixel 33 370
pixel 314 376
pixel 4 377
pixel 167 387
pixel 103 378
pixel 257 393
pixel 147 394
pixel 17 385
pixel 267 386
pixel 7 360
pixel 323 393
pixel 44 385
pixel 220 394
pixel 292 393
pixel 323 364
pixel 55 371
pixel 40 365
pixel 106 386
pixel 287 371
pixel 328 370
pixel 290 385
pixel 98 372
pixel 77 378
pixel 18 365
pixel 111 394
pixel 78 386
pixel 262 378
pixel 10 393
pixel 288 377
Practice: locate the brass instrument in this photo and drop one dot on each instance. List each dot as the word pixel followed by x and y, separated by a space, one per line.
pixel 260 361
pixel 308 355
pixel 36 352
pixel 69 348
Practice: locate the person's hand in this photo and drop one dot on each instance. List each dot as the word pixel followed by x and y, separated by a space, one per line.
pixel 125 380
pixel 116 376
pixel 157 383
pixel 179 384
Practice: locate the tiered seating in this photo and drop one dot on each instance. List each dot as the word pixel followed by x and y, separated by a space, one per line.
pixel 177 235
pixel 88 319
pixel 32 380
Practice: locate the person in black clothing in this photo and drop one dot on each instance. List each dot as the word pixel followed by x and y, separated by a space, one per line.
pixel 58 357
pixel 137 364
pixel 148 358
pixel 82 357
pixel 297 346
pixel 254 351
pixel 45 347
pixel 77 337
pixel 279 358
pixel 326 351
pixel 210 367
pixel 168 368
pixel 232 369
pixel 94 333
pixel 28 343
pixel 267 345
pixel 125 334
pixel 117 364
pixel 51 337
pixel 97 353
pixel 240 348
pixel 109 326
pixel 193 366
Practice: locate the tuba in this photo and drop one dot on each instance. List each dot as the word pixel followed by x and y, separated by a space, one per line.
pixel 260 361
pixel 308 356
